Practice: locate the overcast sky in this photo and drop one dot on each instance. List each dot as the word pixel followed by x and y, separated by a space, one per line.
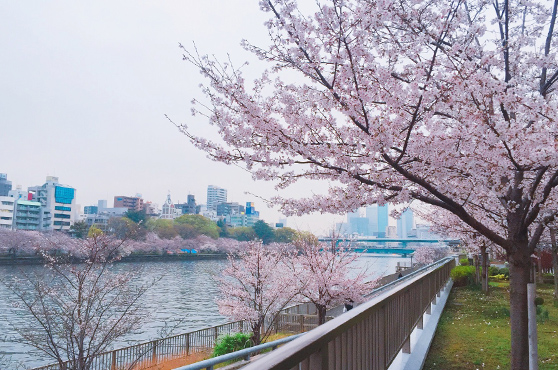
pixel 85 87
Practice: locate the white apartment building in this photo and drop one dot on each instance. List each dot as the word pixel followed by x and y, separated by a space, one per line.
pixel 58 204
pixel 6 212
pixel 215 195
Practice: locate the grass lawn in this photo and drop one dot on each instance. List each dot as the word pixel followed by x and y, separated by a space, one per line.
pixel 474 330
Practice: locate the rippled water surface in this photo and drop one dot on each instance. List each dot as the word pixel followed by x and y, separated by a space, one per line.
pixel 183 299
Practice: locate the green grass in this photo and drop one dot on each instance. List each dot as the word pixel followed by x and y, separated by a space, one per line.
pixel 474 330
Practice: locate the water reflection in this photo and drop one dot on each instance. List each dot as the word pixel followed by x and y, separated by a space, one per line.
pixel 181 301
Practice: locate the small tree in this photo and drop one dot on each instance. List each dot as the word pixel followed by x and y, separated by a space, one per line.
pixel 324 277
pixel 78 310
pixel 263 231
pixel 285 235
pixel 256 287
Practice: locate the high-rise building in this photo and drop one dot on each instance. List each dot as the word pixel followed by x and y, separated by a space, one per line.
pixel 58 208
pixel 132 203
pixel 5 185
pixel 378 218
pixel 215 195
pixel 405 224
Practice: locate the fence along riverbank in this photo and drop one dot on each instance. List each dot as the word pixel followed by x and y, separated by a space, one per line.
pixel 294 319
pixel 146 355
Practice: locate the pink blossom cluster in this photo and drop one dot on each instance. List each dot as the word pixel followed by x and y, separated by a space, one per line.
pixel 264 279
pixel 31 243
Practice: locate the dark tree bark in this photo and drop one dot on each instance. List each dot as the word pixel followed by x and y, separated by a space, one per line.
pixel 520 276
pixel 554 261
pixel 321 314
pixel 484 264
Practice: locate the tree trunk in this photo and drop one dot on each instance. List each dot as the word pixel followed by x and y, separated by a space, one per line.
pixel 539 269
pixel 477 269
pixel 520 273
pixel 484 265
pixel 554 261
pixel 256 333
pixel 321 314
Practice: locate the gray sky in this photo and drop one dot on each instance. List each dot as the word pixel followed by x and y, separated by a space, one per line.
pixel 85 86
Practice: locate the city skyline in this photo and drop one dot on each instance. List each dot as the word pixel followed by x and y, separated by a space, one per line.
pixel 85 94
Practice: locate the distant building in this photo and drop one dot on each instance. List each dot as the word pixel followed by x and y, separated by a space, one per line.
pixel 215 195
pixel 90 210
pixel 378 217
pixel 228 209
pixel 58 208
pixel 247 218
pixel 189 207
pixel 18 193
pixel 424 232
pixel 27 215
pixel 6 212
pixel 151 209
pixel 102 203
pixel 359 226
pixel 341 229
pixel 132 203
pixel 102 217
pixel 169 211
pixel 5 185
pixel 405 224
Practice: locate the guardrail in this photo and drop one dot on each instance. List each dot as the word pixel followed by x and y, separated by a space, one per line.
pixel 244 354
pixel 371 334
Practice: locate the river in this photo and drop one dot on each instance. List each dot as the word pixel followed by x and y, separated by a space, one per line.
pixel 183 299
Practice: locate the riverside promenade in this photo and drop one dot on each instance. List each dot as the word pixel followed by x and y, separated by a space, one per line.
pixel 393 328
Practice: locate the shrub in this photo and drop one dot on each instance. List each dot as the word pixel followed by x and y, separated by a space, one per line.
pixel 464 262
pixel 463 275
pixel 542 315
pixel 231 343
pixel 539 301
pixel 493 270
pixel 505 271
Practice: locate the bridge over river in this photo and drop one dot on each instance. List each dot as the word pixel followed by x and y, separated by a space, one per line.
pixel 382 245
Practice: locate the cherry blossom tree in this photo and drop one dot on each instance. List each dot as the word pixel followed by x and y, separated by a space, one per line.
pixel 448 103
pixel 18 242
pixel 256 286
pixel 426 255
pixel 325 277
pixel 78 310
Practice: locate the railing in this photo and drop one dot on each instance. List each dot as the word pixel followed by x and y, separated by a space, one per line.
pixel 370 335
pixel 146 355
pixel 244 354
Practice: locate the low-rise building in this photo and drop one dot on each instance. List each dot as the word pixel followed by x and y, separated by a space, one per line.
pixel 7 205
pixel 132 203
pixel 27 215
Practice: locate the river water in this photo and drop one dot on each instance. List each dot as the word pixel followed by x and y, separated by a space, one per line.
pixel 183 299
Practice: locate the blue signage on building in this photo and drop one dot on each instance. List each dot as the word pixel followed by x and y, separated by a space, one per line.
pixel 64 195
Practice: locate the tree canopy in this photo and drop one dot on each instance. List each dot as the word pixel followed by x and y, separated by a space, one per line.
pixel 452 104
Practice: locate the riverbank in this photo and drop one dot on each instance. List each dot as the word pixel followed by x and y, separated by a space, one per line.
pixel 474 330
pixel 39 260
